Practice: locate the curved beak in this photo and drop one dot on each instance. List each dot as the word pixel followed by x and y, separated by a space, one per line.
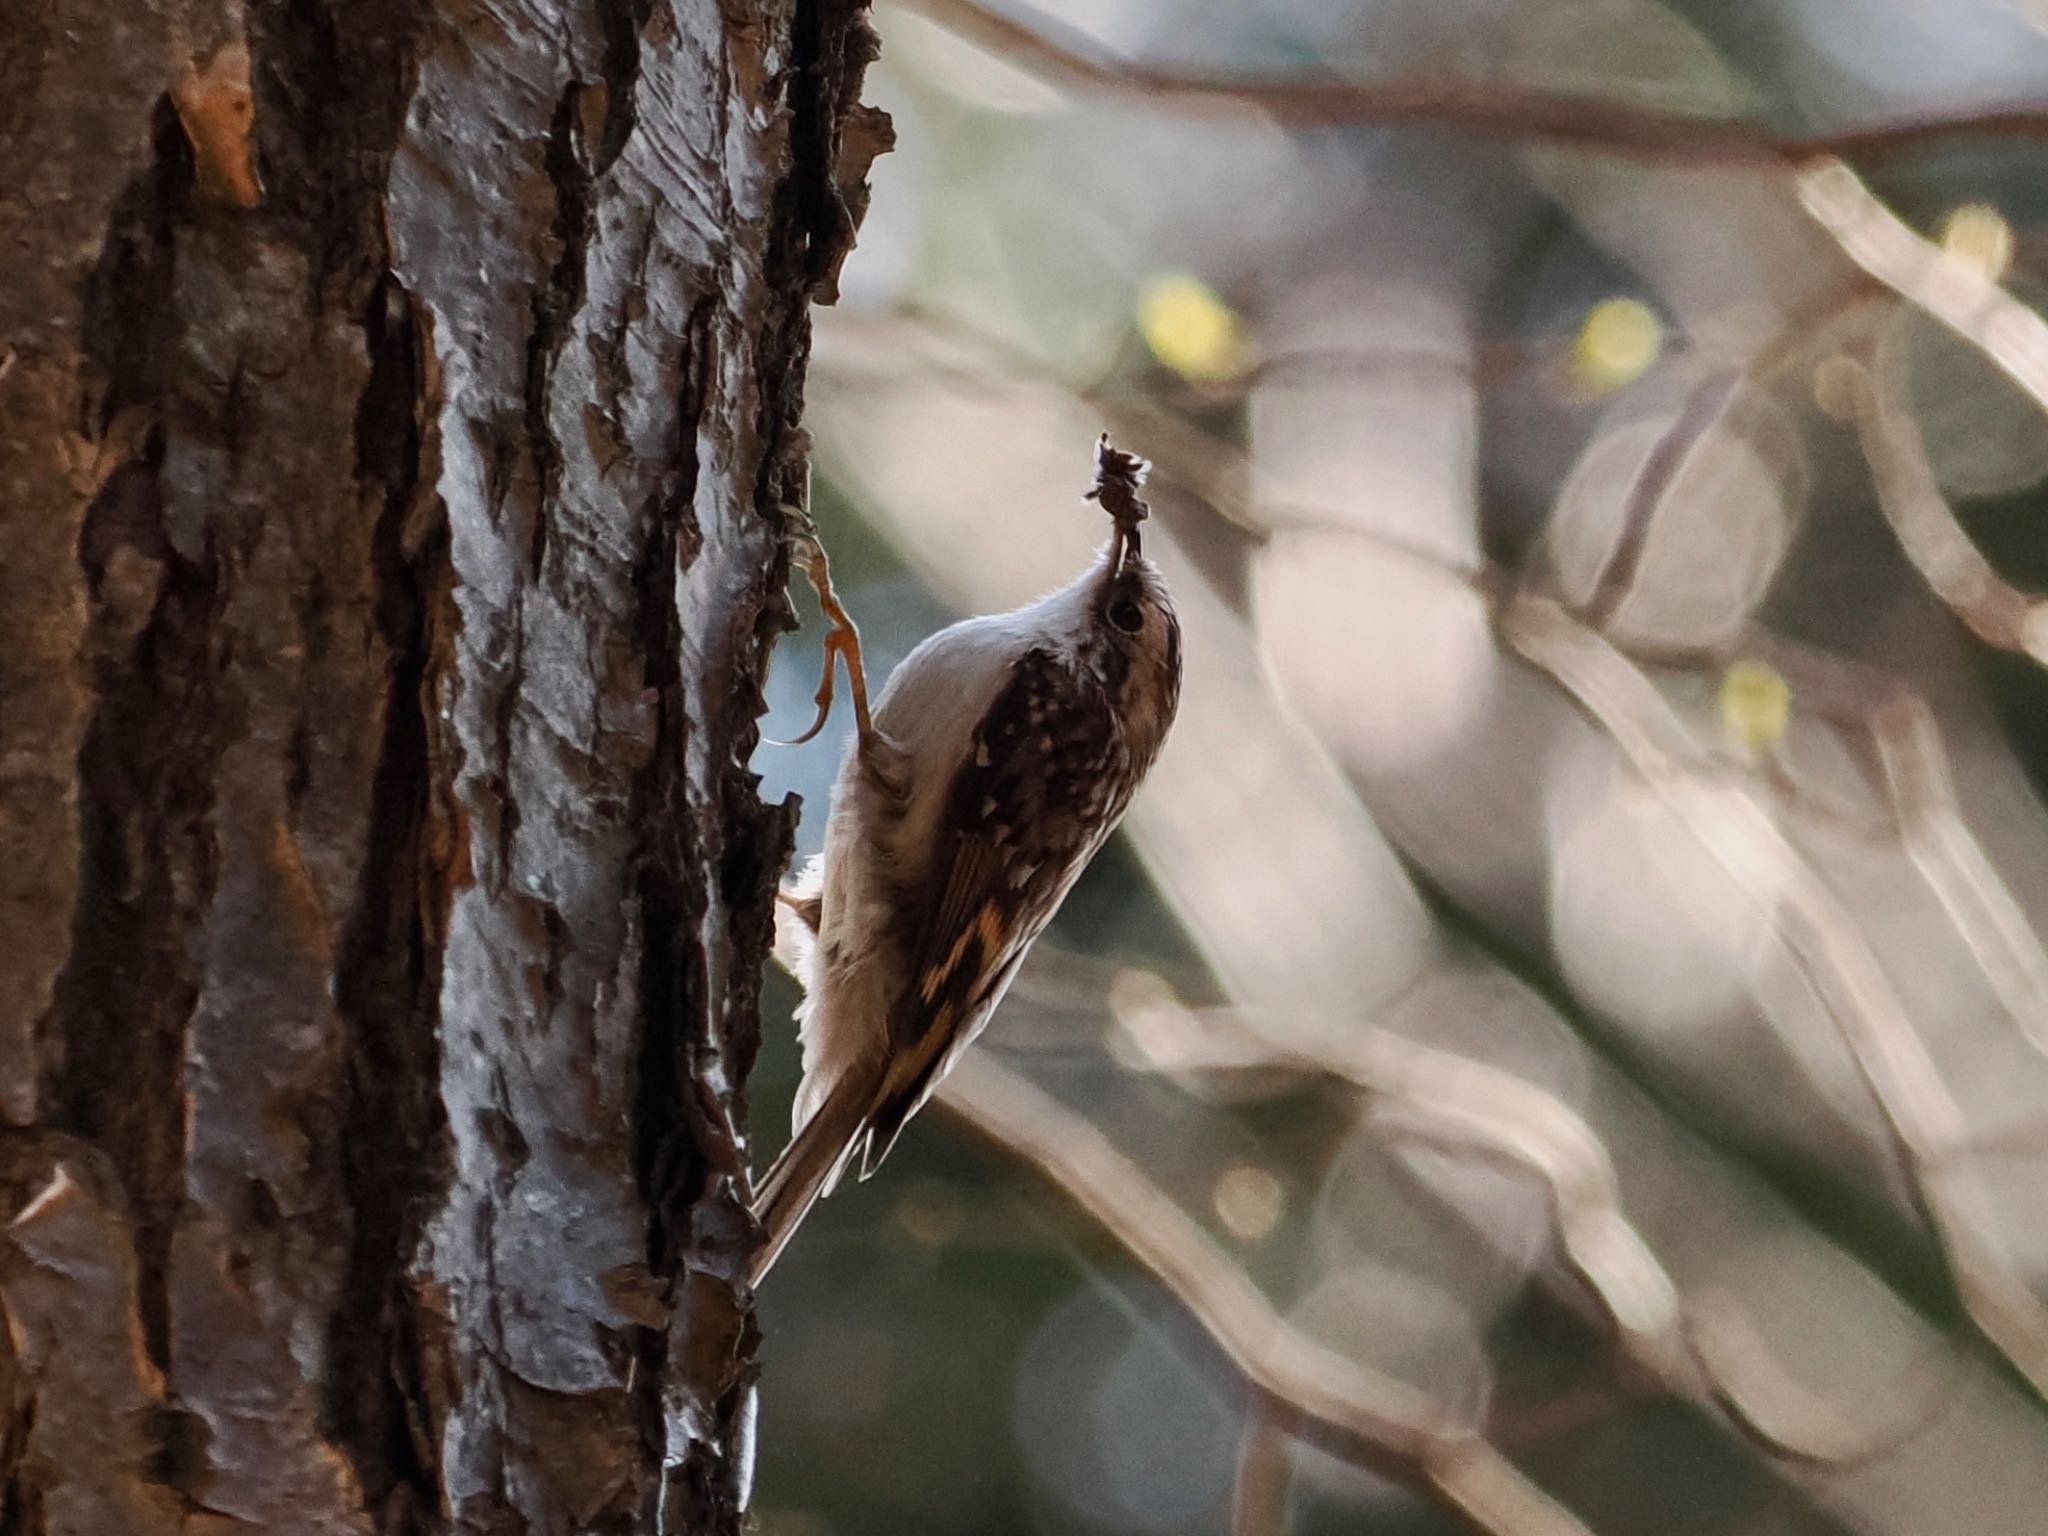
pixel 1127 547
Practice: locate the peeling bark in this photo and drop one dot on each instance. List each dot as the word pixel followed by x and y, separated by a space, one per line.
pixel 399 405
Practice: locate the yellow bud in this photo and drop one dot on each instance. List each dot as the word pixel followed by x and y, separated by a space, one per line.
pixel 1617 342
pixel 1838 387
pixel 1977 233
pixel 1756 708
pixel 1249 1202
pixel 1190 329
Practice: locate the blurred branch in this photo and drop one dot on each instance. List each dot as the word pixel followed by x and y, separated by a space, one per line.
pixel 1716 397
pixel 1956 867
pixel 1996 612
pixel 1497 109
pixel 1868 232
pixel 1830 951
pixel 1703 1353
pixel 1781 1414
pixel 908 337
pixel 1953 291
pixel 1924 811
pixel 913 336
pixel 1706 406
pixel 1258 1504
pixel 1817 804
pixel 1460 1105
pixel 1210 470
pixel 1929 820
pixel 1367 1419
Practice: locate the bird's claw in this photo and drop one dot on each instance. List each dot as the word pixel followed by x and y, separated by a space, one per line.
pixel 842 641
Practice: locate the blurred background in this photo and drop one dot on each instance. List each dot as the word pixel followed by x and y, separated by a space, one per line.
pixel 1559 1045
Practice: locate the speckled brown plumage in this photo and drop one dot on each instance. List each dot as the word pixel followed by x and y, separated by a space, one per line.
pixel 1002 754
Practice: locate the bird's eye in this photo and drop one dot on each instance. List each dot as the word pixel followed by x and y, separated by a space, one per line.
pixel 1125 615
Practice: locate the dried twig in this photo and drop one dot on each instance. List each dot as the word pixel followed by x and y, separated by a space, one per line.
pixel 1498 109
pixel 1830 950
pixel 1367 1419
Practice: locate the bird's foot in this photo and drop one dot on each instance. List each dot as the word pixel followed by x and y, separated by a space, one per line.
pixel 843 641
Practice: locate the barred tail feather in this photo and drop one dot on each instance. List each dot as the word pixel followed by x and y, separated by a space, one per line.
pixel 809 1167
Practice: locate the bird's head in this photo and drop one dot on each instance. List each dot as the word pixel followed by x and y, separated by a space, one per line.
pixel 1134 628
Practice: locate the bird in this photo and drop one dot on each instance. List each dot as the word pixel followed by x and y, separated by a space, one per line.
pixel 996 762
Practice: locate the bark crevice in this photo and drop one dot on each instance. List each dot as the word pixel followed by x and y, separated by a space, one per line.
pixel 21 1504
pixel 129 332
pixel 115 1042
pixel 833 140
pixel 558 297
pixel 665 1152
pixel 622 22
pixel 330 104
pixel 394 1133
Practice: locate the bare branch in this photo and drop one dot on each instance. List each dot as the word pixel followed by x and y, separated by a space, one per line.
pixel 1928 818
pixel 933 342
pixel 1703 1352
pixel 1785 1417
pixel 1706 406
pixel 1924 811
pixel 1955 292
pixel 1258 1505
pixel 1955 866
pixel 1494 109
pixel 1829 949
pixel 1377 1423
pixel 1461 1106
pixel 1873 237
pixel 1997 612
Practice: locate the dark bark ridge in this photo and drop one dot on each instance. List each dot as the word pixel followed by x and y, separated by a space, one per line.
pixel 392 561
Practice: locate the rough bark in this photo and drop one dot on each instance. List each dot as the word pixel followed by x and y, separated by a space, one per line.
pixel 398 408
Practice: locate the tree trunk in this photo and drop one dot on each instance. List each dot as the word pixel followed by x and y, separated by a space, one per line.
pixel 398 408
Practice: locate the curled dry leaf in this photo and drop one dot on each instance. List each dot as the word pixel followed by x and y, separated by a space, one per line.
pixel 218 111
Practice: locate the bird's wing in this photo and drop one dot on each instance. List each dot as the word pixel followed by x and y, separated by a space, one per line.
pixel 1040 787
